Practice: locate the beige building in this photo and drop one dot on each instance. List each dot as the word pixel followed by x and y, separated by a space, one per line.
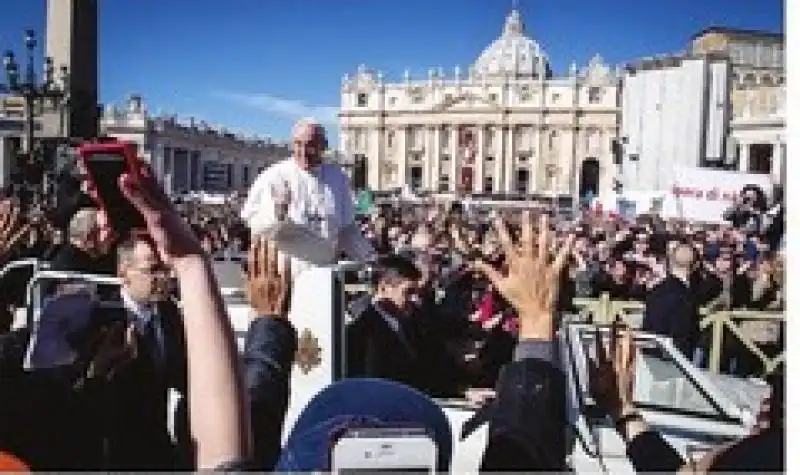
pixel 506 125
pixel 189 155
pixel 757 96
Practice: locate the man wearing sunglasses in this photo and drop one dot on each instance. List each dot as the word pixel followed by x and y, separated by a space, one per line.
pixel 140 437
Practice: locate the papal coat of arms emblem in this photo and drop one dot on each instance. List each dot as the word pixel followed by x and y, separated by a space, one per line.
pixel 308 355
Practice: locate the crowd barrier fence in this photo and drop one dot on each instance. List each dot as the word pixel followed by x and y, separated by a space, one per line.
pixel 753 329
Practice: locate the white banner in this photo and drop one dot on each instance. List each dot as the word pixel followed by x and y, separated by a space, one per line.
pixel 701 194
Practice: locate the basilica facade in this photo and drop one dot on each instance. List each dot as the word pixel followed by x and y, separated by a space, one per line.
pixel 505 125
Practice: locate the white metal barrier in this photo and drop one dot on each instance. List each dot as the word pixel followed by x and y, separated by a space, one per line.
pixel 21 314
pixel 34 292
pixel 22 263
pixel 686 405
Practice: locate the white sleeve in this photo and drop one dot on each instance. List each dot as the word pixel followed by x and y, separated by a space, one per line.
pixel 349 205
pixel 258 210
pixel 351 241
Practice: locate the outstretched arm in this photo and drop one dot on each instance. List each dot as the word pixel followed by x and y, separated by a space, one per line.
pixel 351 241
pixel 266 202
pixel 217 400
pixel 269 350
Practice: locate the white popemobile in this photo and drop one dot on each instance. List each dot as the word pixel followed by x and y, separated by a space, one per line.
pixel 694 410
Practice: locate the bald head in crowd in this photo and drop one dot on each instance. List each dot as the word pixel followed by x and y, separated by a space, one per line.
pixel 87 228
pixel 308 143
pixel 683 259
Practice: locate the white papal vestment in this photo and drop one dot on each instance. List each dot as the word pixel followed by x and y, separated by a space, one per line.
pixel 320 200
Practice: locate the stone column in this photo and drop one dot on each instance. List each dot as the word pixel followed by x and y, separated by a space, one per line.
pixel 533 160
pixel 783 164
pixel 499 156
pixel 777 166
pixel 744 157
pixel 166 167
pixel 576 164
pixel 198 173
pixel 572 161
pixel 375 159
pixel 540 159
pixel 434 151
pixel 477 177
pixel 238 172
pixel 343 141
pixel 508 161
pixel 400 154
pixel 6 158
pixel 190 170
pixel 169 169
pixel 454 159
pixel 157 160
pixel 606 159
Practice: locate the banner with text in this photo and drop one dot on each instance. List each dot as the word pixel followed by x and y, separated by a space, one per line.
pixel 704 195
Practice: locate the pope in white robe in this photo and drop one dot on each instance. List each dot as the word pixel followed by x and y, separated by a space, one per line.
pixel 307 207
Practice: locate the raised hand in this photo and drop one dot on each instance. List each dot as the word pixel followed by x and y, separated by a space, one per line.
pixel 268 280
pixel 174 238
pixel 217 394
pixel 612 374
pixel 458 240
pixel 13 228
pixel 531 284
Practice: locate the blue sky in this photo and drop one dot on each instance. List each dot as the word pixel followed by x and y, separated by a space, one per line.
pixel 256 65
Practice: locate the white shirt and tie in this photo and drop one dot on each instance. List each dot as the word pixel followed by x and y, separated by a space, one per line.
pixel 320 200
pixel 148 325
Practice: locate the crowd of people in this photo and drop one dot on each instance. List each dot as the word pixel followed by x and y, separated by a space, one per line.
pixel 462 299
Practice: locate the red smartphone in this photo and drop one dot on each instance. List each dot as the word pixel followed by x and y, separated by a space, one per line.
pixel 104 163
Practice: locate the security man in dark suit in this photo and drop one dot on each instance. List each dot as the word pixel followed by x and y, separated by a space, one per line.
pixel 380 342
pixel 672 308
pixel 140 438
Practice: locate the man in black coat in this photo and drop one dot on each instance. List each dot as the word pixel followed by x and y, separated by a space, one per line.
pixel 672 307
pixel 140 439
pixel 67 414
pixel 380 342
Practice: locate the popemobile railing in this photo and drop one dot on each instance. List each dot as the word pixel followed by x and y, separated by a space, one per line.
pixel 604 311
pixel 751 328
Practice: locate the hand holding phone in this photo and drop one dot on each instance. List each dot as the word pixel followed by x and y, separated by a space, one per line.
pixel 103 164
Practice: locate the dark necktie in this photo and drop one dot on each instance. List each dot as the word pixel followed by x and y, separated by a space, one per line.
pixel 403 333
pixel 152 334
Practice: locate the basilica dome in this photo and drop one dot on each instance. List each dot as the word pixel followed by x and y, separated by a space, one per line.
pixel 513 53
